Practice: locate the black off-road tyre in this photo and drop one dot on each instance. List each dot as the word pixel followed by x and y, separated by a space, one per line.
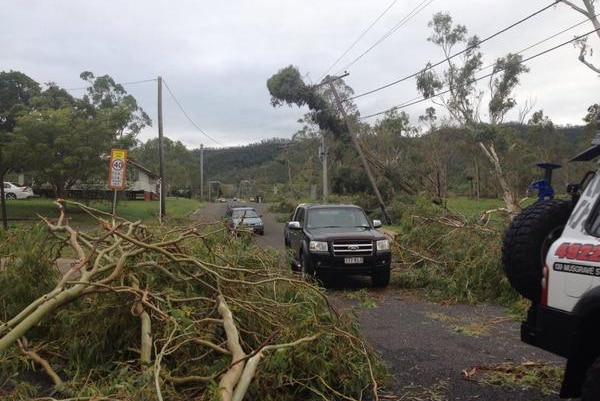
pixel 306 270
pixel 590 390
pixel 381 278
pixel 526 243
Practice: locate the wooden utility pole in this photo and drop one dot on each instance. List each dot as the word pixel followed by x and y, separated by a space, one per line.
pixel 201 172
pixel 361 155
pixel 161 156
pixel 324 152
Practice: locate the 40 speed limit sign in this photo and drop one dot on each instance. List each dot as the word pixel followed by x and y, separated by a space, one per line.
pixel 117 169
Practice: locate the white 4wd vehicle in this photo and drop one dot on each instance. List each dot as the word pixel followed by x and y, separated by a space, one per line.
pixel 551 255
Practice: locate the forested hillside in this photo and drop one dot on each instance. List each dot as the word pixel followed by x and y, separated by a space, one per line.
pixel 438 164
pixel 442 161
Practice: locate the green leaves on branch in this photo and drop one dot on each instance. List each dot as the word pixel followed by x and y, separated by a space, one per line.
pixel 200 295
pixel 287 87
pixel 463 96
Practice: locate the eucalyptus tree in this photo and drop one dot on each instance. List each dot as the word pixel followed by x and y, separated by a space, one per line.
pixel 586 51
pixel 60 140
pixel 115 108
pixel 462 96
pixel 288 87
pixel 393 150
pixel 181 167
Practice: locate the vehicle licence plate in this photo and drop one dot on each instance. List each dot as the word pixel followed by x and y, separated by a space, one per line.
pixel 353 261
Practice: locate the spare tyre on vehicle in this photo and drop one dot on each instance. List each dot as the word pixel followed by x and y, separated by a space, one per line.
pixel 526 243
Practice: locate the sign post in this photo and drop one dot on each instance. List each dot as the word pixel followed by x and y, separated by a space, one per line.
pixel 117 178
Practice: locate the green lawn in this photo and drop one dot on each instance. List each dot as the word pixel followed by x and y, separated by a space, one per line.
pixel 26 211
pixel 471 207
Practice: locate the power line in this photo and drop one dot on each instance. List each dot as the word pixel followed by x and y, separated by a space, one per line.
pixel 456 54
pixel 188 117
pixel 410 102
pixel 358 39
pixel 423 99
pixel 123 84
pixel 389 33
pixel 416 99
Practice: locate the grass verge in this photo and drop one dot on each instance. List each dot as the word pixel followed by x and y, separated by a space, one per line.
pixel 24 212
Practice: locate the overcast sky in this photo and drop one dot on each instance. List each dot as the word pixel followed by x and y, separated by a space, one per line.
pixel 216 55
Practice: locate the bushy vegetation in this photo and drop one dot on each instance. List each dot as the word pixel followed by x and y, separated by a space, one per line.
pixel 452 257
pixel 206 302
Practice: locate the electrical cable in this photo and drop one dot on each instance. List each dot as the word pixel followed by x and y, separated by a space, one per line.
pixel 123 84
pixel 454 55
pixel 358 39
pixel 389 33
pixel 422 99
pixel 188 117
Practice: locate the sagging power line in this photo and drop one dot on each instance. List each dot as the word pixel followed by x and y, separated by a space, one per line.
pixel 122 84
pixel 358 39
pixel 389 33
pixel 455 54
pixel 187 115
pixel 422 99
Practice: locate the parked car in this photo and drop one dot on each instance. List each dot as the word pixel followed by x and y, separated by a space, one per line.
pixel 243 216
pixel 13 191
pixel 337 240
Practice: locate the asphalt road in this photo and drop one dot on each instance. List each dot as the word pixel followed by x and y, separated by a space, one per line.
pixel 433 352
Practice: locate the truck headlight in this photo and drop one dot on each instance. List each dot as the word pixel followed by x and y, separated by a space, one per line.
pixel 317 246
pixel 383 245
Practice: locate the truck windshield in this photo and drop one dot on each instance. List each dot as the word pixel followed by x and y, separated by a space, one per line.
pixel 336 217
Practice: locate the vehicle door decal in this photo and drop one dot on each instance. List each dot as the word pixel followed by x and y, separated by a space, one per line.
pixel 575 251
pixel 576 269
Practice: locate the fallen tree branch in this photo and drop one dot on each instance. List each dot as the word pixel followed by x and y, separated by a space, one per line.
pixel 35 357
pixel 231 377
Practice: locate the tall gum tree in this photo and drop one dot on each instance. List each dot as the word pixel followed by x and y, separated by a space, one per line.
pixel 587 8
pixel 60 140
pixel 463 98
pixel 62 137
pixel 117 109
pixel 288 88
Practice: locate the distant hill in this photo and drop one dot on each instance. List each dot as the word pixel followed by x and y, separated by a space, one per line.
pixel 265 164
pixel 258 161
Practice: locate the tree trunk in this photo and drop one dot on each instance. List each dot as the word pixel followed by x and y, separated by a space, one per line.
pixel 509 199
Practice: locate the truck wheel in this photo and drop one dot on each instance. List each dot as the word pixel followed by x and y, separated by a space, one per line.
pixel 526 243
pixel 306 270
pixel 381 278
pixel 590 390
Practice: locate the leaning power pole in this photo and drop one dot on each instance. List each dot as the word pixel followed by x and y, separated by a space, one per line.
pixel 324 151
pixel 354 139
pixel 161 157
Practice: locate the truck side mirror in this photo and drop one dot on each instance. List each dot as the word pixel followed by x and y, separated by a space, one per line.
pixel 294 225
pixel 376 223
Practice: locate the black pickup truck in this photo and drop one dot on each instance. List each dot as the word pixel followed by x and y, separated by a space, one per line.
pixel 337 239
